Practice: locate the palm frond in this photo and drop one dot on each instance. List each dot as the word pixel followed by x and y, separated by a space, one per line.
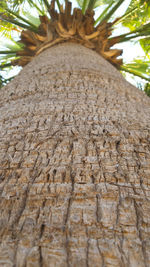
pixel 4 66
pixel 17 23
pixel 143 30
pixel 17 16
pixel 113 10
pixel 4 81
pixel 138 14
pixel 126 15
pixel 84 6
pixel 91 4
pixel 37 7
pixel 138 68
pixel 103 14
pixel 145 44
pixel 59 5
pixel 46 4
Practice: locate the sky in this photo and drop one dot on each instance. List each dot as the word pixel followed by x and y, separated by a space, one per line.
pixel 131 50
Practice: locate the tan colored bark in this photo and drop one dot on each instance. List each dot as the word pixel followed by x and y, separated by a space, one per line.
pixel 74 164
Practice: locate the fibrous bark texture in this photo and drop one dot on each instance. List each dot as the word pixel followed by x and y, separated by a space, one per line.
pixel 74 164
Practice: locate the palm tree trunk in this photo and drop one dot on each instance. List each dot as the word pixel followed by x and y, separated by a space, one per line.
pixel 74 164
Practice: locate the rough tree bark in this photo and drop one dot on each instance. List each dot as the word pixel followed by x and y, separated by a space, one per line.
pixel 74 164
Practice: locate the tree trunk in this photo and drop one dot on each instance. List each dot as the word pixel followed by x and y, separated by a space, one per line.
pixel 74 164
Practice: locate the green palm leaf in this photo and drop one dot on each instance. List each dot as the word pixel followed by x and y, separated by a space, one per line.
pixel 139 68
pixel 89 4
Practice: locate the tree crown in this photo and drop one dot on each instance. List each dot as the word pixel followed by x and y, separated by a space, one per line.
pixel 55 22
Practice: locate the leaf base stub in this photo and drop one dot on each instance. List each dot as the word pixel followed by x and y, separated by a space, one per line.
pixel 69 27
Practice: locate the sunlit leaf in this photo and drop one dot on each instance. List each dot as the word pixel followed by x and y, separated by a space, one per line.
pixel 145 44
pixel 139 68
pixel 139 16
